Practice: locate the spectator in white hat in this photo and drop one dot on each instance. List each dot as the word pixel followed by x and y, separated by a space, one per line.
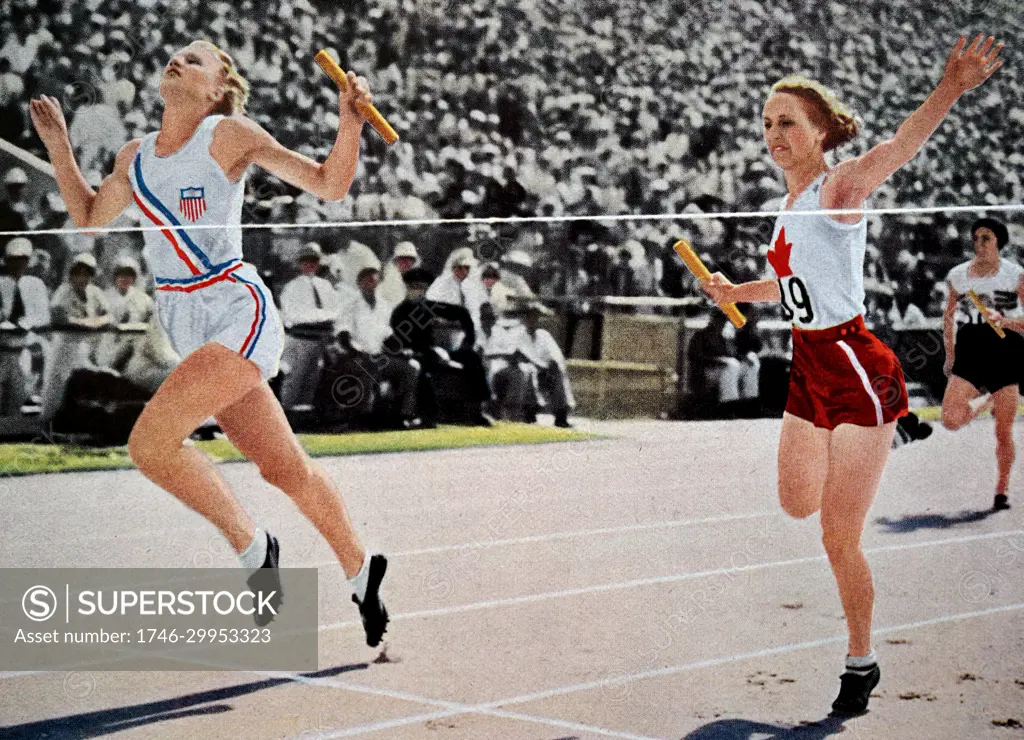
pixel 311 310
pixel 16 176
pixel 79 301
pixel 77 304
pixel 347 263
pixel 459 284
pixel 503 288
pixel 528 369
pixel 23 306
pixel 24 299
pixel 128 305
pixel 392 286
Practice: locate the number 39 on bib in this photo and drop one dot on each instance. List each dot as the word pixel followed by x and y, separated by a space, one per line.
pixel 796 300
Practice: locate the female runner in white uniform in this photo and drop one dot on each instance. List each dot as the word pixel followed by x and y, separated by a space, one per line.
pixel 217 312
pixel 977 360
pixel 846 387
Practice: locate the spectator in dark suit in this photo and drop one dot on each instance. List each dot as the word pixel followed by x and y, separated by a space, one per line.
pixel 674 275
pixel 724 363
pixel 14 210
pixel 504 200
pixel 24 305
pixel 417 326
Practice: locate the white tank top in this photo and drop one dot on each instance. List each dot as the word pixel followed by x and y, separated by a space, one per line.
pixel 819 263
pixel 182 189
pixel 997 291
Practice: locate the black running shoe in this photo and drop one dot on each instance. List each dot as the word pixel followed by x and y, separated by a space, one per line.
pixel 909 429
pixel 901 437
pixel 1001 503
pixel 371 609
pixel 855 691
pixel 267 579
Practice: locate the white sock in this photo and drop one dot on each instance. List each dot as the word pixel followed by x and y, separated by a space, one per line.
pixel 254 555
pixel 978 402
pixel 861 662
pixel 359 580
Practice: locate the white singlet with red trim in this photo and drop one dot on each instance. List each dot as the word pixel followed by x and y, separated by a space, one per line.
pixel 185 188
pixel 997 291
pixel 204 291
pixel 819 263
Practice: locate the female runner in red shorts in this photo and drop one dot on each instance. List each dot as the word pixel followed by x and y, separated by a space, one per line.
pixel 846 388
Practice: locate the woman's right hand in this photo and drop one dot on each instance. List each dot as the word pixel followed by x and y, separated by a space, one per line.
pixel 357 95
pixel 719 288
pixel 970 65
pixel 48 119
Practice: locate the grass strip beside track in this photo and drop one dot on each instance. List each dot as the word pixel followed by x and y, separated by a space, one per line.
pixel 28 459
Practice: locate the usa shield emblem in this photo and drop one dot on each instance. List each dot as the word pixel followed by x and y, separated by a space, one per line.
pixel 192 203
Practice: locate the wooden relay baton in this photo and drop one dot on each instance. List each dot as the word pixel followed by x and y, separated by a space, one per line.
pixel 701 272
pixel 983 310
pixel 370 113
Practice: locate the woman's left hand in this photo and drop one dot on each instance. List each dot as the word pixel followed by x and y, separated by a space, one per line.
pixel 969 66
pixel 358 95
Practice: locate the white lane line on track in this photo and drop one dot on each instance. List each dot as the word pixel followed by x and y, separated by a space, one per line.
pixel 552 536
pixel 445 709
pixel 574 726
pixel 501 714
pixel 451 709
pixel 781 650
pixel 629 584
pixel 571 534
pixel 658 580
pixel 196 532
pixel 493 708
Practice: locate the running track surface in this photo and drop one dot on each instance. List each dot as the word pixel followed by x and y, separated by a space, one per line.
pixel 641 586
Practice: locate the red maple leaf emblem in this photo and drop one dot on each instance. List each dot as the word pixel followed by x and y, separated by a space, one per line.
pixel 779 256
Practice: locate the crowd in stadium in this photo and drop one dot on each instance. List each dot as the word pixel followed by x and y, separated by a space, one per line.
pixel 529 107
pixel 397 347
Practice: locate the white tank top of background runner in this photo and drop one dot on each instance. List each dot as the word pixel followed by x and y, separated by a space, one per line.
pixel 184 189
pixel 997 291
pixel 819 263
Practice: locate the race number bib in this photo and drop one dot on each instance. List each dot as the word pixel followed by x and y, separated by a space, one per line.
pixel 796 300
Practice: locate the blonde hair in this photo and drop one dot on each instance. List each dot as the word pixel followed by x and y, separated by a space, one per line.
pixel 823 108
pixel 236 89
